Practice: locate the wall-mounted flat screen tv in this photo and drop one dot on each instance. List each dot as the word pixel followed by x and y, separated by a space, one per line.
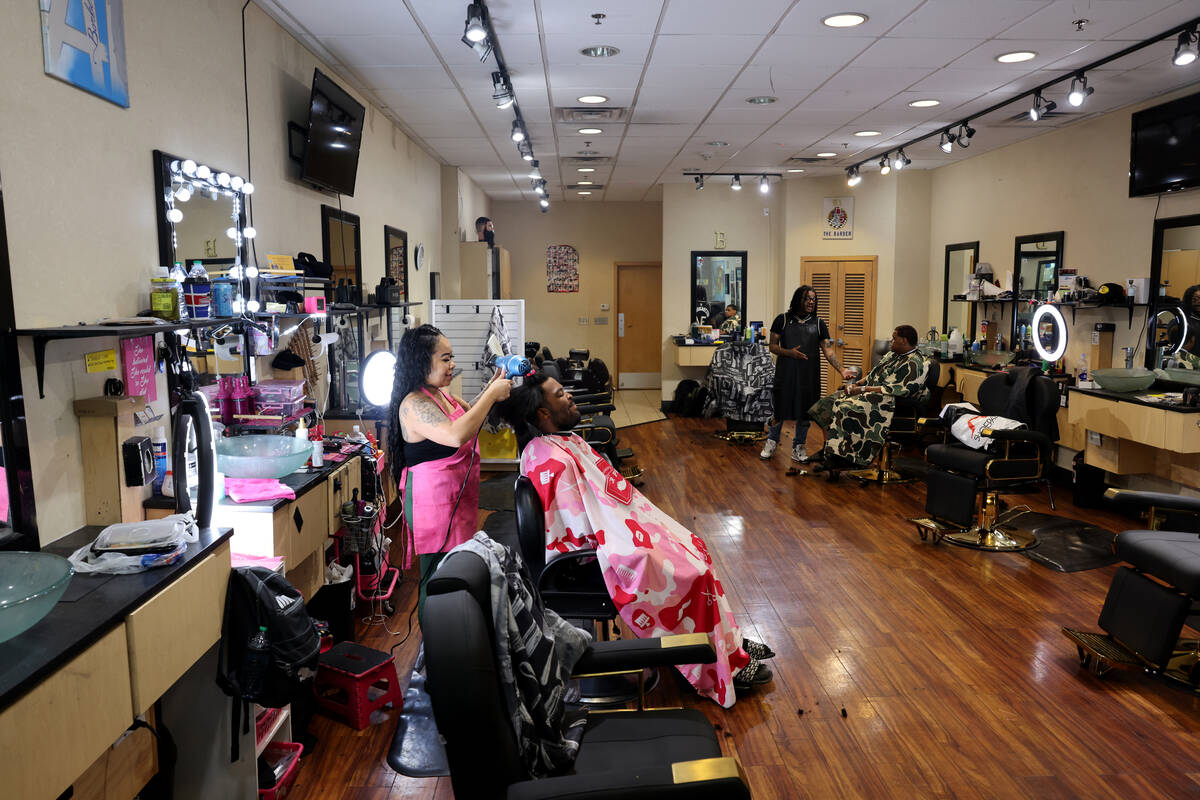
pixel 335 121
pixel 1164 153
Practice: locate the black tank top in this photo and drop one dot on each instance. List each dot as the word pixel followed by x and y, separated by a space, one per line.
pixel 426 450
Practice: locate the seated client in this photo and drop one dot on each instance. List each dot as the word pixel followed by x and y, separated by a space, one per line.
pixel 856 419
pixel 658 573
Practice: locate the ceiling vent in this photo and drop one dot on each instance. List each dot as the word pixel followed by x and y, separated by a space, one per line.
pixel 795 160
pixel 591 114
pixel 587 161
pixel 1023 117
pixel 585 187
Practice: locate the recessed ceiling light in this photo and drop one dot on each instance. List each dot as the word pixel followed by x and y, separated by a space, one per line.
pixel 847 19
pixel 1017 57
pixel 592 98
pixel 584 183
pixel 583 194
pixel 866 133
pixel 600 51
pixel 761 100
pixel 717 143
pixel 586 169
pixel 795 170
pixel 826 155
pixel 925 103
pixel 589 131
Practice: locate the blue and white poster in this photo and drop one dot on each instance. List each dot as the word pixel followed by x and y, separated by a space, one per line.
pixel 83 43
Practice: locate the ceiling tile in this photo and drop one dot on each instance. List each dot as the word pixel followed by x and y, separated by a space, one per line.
pixel 1048 51
pixel 585 76
pixel 648 114
pixel 445 18
pixel 369 16
pixel 733 18
pixel 619 97
pixel 966 18
pixel 421 79
pixel 768 79
pixel 711 76
pixel 711 49
pixel 1105 18
pixel 621 17
pixel 923 52
pixel 811 52
pixel 376 51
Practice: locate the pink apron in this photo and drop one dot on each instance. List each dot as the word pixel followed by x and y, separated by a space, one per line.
pixel 430 490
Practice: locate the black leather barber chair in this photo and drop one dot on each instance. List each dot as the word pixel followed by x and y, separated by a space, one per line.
pixel 1019 460
pixel 1148 603
pixel 636 754
pixel 906 430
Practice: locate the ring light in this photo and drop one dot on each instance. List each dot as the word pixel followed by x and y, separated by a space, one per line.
pixel 1060 324
pixel 378 374
pixel 1184 337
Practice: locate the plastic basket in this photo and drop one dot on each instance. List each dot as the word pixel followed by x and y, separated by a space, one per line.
pixel 279 391
pixel 264 721
pixel 275 753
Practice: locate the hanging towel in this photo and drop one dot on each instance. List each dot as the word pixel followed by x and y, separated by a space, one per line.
pixel 248 490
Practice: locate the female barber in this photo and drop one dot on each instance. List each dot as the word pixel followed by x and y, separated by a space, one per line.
pixel 434 450
pixel 796 336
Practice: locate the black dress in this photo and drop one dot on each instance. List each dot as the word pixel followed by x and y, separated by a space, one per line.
pixel 798 382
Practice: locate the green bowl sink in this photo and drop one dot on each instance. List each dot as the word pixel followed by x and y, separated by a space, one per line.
pixel 1189 376
pixel 260 456
pixel 30 585
pixel 992 358
pixel 1134 379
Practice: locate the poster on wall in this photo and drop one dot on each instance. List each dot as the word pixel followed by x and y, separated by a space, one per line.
pixel 839 218
pixel 137 358
pixel 562 268
pixel 83 43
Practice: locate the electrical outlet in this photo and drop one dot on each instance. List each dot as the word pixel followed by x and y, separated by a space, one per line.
pixel 604 306
pixel 766 212
pixel 583 320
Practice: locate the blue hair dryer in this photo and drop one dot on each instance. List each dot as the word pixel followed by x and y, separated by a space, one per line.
pixel 514 366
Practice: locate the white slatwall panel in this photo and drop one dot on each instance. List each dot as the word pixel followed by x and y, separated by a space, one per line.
pixel 465 324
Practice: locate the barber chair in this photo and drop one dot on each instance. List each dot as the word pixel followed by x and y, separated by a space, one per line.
pixel 1020 463
pixel 905 431
pixel 1147 604
pixel 625 754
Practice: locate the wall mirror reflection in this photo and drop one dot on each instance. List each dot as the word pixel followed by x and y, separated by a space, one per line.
pixel 718 281
pixel 1174 283
pixel 1036 260
pixel 341 248
pixel 395 251
pixel 198 207
pixel 957 312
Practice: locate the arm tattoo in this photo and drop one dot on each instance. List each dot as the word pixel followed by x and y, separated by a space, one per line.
pixel 427 412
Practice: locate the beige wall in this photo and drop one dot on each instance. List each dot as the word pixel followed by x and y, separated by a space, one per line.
pixel 79 195
pixel 462 203
pixel 689 220
pixel 603 234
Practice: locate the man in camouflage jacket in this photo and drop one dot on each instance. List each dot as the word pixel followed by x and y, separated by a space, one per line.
pixel 856 419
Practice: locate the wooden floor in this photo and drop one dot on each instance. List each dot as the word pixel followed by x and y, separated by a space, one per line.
pixel 949 663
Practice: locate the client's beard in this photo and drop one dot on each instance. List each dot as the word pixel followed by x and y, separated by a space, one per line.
pixel 490 238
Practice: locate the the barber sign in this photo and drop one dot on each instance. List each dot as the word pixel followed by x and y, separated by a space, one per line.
pixel 838 222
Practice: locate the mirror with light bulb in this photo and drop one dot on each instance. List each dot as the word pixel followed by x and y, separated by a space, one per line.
pixel 1036 260
pixel 1174 292
pixel 201 213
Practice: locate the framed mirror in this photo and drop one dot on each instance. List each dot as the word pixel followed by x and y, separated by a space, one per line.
pixel 196 210
pixel 718 280
pixel 1174 270
pixel 341 246
pixel 960 266
pixel 1036 259
pixel 395 251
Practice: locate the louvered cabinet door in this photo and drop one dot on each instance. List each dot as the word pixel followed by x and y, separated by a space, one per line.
pixel 823 277
pixel 846 294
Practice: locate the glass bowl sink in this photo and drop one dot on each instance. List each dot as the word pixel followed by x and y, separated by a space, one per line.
pixel 261 456
pixel 30 585
pixel 1133 379
pixel 992 358
pixel 1189 376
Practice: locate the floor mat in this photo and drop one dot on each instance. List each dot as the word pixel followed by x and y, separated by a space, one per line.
pixel 417 749
pixel 1067 545
pixel 496 493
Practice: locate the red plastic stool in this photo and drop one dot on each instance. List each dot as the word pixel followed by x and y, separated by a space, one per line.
pixel 345 676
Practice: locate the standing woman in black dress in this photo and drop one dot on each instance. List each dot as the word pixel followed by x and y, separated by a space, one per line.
pixel 798 337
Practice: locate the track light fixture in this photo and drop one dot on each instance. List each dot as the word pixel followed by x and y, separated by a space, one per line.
pixel 474 30
pixel 518 131
pixel 539 186
pixel 965 132
pixel 525 149
pixel 947 142
pixel 1080 91
pixel 1041 107
pixel 502 91
pixel 544 203
pixel 1185 49
pixel 885 165
pixel 764 185
pixel 736 183
pixel 902 160
pixel 535 171
pixel 699 182
pixel 735 179
pixel 852 177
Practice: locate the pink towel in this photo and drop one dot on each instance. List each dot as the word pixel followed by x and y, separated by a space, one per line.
pixel 247 490
pixel 245 560
pixel 334 458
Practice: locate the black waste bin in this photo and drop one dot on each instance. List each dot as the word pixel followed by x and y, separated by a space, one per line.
pixel 1088 484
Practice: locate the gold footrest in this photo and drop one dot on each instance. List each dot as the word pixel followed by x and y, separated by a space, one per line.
pixel 877 475
pixel 998 539
pixel 1099 652
pixel 741 437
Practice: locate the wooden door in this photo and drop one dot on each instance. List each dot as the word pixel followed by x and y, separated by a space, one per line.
pixel 846 301
pixel 638 326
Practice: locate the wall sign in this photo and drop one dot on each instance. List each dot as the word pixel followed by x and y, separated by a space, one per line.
pixel 137 358
pixel 83 43
pixel 100 361
pixel 838 222
pixel 562 268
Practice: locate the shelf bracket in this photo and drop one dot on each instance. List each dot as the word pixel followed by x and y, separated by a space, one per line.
pixel 39 360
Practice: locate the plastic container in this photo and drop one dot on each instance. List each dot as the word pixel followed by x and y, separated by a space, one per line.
pixel 280 391
pixel 956 343
pixel 291 408
pixel 318 452
pixel 284 759
pixel 242 397
pixel 158 444
pixel 179 275
pixel 197 292
pixel 164 296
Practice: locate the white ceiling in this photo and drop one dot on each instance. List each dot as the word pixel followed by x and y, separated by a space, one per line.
pixel 686 68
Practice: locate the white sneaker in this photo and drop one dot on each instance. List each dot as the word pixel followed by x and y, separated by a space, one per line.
pixel 800 454
pixel 768 449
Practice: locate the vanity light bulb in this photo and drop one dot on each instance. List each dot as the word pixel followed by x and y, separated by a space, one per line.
pixel 252 306
pixel 223 178
pixel 247 188
pixel 176 167
pixel 251 270
pixel 174 215
pixel 236 183
pixel 183 194
pixel 235 272
pixel 231 232
pixel 239 306
pixel 203 172
pixel 189 167
pixel 249 233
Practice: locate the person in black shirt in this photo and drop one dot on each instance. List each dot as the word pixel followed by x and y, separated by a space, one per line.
pixel 797 337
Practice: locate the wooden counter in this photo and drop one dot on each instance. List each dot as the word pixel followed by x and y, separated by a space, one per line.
pixel 694 355
pixel 1127 436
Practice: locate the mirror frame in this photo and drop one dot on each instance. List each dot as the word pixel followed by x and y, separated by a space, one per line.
pixel 329 213
pixel 388 233
pixel 1059 239
pixel 691 296
pixel 1161 226
pixel 954 248
pixel 166 245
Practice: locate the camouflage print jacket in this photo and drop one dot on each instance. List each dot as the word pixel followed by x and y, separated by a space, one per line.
pixel 856 427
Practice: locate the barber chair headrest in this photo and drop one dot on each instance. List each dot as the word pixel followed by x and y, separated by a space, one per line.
pixel 463 572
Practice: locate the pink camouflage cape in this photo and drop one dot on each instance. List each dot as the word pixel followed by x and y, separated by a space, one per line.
pixel 658 573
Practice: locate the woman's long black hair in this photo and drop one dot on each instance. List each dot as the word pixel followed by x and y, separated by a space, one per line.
pixel 796 309
pixel 414 361
pixel 521 406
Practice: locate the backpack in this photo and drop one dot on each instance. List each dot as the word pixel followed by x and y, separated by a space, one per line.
pixel 689 399
pixel 258 597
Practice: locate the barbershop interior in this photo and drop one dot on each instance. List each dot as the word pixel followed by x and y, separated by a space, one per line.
pixel 769 399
